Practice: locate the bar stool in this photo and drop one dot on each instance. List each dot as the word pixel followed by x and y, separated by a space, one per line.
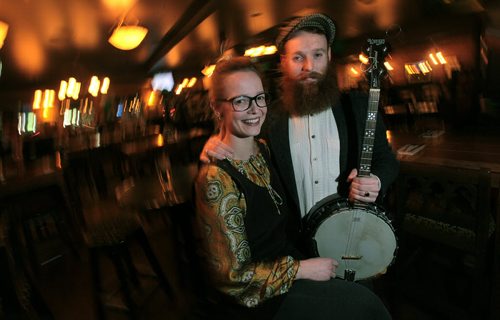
pixel 113 238
pixel 19 297
pixel 42 216
pixel 166 193
pixel 111 231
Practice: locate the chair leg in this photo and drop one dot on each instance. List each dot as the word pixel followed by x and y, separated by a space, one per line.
pixel 19 297
pixel 32 256
pixel 96 283
pixel 114 254
pixel 155 264
pixel 38 307
pixel 132 271
pixel 63 229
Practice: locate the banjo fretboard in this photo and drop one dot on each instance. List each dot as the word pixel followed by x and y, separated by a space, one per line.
pixel 369 133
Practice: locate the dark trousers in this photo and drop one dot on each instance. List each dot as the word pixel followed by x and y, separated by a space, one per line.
pixel 333 299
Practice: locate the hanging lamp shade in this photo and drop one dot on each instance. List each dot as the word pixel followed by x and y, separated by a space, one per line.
pixel 127 37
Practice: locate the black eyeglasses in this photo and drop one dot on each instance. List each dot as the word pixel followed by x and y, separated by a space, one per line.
pixel 243 103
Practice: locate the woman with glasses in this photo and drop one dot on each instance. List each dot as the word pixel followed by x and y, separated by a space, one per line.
pixel 254 270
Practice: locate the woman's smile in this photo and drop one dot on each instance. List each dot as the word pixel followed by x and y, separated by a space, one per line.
pixel 252 121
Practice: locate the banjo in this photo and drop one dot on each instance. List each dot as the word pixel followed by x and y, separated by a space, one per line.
pixel 358 235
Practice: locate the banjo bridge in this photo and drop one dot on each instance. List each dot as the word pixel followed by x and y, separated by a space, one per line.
pixel 351 257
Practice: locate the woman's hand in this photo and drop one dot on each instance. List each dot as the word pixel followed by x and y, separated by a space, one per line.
pixel 317 269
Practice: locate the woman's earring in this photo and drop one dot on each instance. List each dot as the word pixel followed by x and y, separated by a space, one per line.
pixel 217 115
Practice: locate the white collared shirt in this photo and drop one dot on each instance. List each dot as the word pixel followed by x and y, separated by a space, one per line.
pixel 315 149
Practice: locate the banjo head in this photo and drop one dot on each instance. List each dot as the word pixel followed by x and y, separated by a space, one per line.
pixel 359 238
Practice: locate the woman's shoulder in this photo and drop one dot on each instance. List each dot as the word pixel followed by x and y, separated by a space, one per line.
pixel 211 172
pixel 213 181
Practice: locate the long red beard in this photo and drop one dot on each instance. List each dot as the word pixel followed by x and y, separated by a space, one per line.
pixel 302 98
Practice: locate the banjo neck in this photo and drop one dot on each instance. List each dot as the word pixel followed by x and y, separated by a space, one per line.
pixel 377 50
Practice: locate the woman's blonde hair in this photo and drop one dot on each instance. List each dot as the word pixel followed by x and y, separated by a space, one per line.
pixel 227 66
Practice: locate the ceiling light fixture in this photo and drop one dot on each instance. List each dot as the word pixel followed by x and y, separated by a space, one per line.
pixel 127 37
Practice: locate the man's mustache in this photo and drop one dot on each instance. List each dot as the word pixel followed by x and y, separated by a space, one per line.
pixel 310 75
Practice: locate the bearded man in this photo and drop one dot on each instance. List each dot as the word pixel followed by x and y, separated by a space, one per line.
pixel 317 134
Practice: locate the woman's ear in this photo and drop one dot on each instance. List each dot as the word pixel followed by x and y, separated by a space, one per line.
pixel 214 108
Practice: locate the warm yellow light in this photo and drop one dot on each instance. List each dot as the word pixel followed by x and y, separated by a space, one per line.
pixel 52 98
pixel 37 99
pixel 94 86
pixel 363 59
pixel 71 87
pixel 249 52
pixel 192 82
pixel 118 5
pixel 408 69
pixel 159 140
pixel 260 51
pixel 388 66
pixel 48 102
pixel 208 70
pixel 424 67
pixel 433 58
pixel 127 37
pixel 105 85
pixel 440 57
pixel 270 50
pixel 388 135
pixel 152 99
pixel 76 91
pixel 46 98
pixel 178 90
pixel 61 95
pixel 354 71
pixel 3 32
pixel 184 82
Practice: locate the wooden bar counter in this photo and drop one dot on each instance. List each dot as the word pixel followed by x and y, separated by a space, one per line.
pixel 462 150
